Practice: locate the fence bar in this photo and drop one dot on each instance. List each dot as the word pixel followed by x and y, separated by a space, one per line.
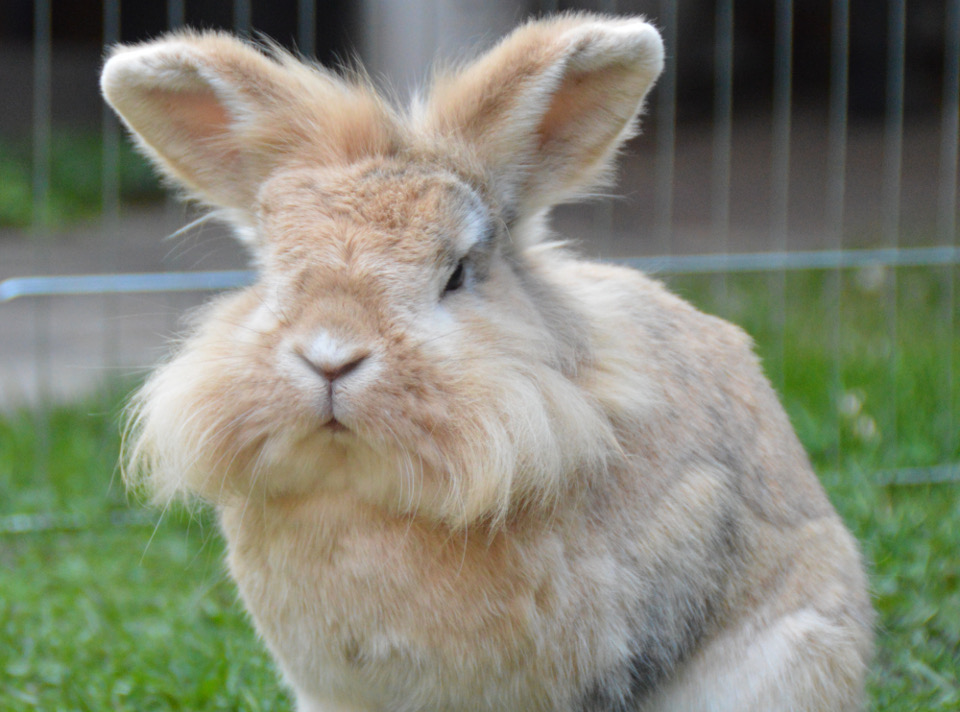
pixel 42 83
pixel 24 524
pixel 950 127
pixel 176 14
pixel 947 213
pixel 835 201
pixel 307 27
pixel 603 210
pixel 110 195
pixel 74 522
pixel 41 110
pixel 891 190
pixel 123 283
pixel 791 261
pixel 782 90
pixel 133 283
pixel 780 169
pixel 722 127
pixel 666 130
pixel 242 16
pixel 838 118
pixel 920 475
pixel 893 120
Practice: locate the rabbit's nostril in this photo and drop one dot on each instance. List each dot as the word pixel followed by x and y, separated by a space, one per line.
pixel 330 371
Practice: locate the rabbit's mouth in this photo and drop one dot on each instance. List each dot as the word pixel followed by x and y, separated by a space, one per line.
pixel 335 426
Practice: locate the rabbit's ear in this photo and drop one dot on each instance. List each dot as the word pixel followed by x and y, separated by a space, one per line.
pixel 547 108
pixel 218 115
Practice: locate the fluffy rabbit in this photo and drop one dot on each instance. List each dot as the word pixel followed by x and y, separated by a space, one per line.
pixel 457 467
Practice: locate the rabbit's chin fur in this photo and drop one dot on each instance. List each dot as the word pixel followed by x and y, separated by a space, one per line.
pixel 457 467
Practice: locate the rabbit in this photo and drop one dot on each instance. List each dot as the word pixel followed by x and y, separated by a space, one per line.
pixel 457 466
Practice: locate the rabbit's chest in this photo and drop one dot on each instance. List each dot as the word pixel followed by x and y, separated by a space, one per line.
pixel 375 607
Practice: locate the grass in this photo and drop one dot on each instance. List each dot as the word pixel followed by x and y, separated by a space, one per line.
pixel 100 616
pixel 75 187
pixel 105 616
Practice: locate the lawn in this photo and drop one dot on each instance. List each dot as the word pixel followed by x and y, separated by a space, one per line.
pixel 101 608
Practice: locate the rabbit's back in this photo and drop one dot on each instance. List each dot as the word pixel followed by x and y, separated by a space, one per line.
pixel 712 452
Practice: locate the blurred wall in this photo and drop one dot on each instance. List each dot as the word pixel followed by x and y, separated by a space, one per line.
pixel 399 40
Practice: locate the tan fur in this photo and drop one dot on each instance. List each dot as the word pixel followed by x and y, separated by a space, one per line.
pixel 457 467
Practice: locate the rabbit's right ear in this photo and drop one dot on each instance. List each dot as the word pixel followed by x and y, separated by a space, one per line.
pixel 217 115
pixel 547 108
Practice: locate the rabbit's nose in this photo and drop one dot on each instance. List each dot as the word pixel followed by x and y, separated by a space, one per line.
pixel 332 370
pixel 331 358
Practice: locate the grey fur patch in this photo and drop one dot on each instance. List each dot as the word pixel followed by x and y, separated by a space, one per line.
pixel 669 625
pixel 654 656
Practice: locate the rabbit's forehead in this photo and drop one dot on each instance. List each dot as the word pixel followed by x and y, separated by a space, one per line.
pixel 429 208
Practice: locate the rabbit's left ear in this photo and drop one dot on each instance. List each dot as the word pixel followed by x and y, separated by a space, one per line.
pixel 546 109
pixel 217 115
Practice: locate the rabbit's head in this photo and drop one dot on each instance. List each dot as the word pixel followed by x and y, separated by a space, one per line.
pixel 405 340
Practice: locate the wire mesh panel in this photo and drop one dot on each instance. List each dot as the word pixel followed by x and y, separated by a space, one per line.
pixel 733 161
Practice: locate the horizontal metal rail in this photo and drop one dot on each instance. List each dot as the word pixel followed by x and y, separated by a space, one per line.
pixel 66 522
pixel 793 261
pixel 132 283
pixel 74 522
pixel 930 475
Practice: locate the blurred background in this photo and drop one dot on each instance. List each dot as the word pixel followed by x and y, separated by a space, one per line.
pixel 797 173
pixel 825 125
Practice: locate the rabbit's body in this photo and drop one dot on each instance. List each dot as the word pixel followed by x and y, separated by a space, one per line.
pixel 458 468
pixel 675 561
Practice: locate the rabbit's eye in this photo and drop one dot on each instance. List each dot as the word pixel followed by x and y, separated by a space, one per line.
pixel 456 279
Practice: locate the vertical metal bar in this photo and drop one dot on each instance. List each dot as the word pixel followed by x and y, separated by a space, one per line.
pixel 176 14
pixel 891 190
pixel 838 117
pixel 603 211
pixel 782 91
pixel 947 212
pixel 836 188
pixel 780 168
pixel 110 134
pixel 666 129
pixel 42 81
pixel 307 27
pixel 950 127
pixel 110 198
pixel 893 121
pixel 42 51
pixel 242 16
pixel 722 130
pixel 176 18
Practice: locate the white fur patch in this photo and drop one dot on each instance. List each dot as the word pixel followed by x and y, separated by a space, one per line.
pixel 326 351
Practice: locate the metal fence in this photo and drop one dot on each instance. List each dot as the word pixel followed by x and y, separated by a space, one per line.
pixel 800 180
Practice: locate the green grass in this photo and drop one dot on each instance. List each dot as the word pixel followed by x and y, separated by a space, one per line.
pixel 105 616
pixel 75 186
pixel 133 617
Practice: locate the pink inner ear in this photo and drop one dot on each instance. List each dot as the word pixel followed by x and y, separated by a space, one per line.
pixel 196 136
pixel 198 113
pixel 582 107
